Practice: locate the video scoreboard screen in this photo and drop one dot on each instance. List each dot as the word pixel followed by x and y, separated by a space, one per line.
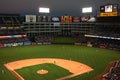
pixel 109 10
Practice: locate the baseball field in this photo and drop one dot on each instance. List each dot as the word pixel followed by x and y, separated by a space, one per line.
pixel 50 58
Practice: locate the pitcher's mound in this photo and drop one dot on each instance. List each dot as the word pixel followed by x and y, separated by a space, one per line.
pixel 42 71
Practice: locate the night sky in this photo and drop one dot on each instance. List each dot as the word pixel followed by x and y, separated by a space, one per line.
pixel 57 7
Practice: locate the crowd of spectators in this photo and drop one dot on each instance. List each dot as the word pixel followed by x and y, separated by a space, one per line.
pixel 10 24
pixel 9 19
pixel 43 39
pixel 114 72
pixel 106 43
pixel 13 40
pixel 112 44
pixel 80 39
pixel 14 31
pixel 108 37
pixel 109 31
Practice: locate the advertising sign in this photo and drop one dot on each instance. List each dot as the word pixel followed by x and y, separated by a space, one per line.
pixel 76 19
pixel 30 18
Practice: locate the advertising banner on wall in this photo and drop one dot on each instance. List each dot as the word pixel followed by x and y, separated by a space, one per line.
pixel 55 19
pixel 12 36
pixel 8 45
pixel 84 18
pixel 44 18
pixel 19 43
pixel 27 43
pixel 49 18
pixel 3 28
pixel 39 18
pixel 66 19
pixel 30 18
pixel 1 45
pixel 76 19
pixel 13 44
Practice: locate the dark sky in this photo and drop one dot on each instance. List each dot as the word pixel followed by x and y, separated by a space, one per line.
pixel 57 7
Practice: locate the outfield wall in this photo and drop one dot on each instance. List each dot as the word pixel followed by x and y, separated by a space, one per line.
pixel 15 44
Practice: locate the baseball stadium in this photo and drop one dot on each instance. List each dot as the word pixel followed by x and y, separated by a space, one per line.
pixel 61 45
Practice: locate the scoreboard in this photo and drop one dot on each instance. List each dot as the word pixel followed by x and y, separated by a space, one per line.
pixel 109 10
pixel 108 14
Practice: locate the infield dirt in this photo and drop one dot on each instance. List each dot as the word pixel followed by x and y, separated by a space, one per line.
pixel 76 68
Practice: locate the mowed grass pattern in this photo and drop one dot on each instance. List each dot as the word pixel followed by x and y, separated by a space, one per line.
pixel 54 72
pixel 96 58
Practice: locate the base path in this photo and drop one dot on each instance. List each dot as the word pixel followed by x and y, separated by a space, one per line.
pixel 74 67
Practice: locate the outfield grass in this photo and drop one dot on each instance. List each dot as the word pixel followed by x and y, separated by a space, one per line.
pixel 54 72
pixel 96 58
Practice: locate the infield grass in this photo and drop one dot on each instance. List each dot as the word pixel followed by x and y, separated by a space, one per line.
pixel 54 72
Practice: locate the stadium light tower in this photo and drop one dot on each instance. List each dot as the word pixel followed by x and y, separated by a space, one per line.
pixel 44 10
pixel 87 10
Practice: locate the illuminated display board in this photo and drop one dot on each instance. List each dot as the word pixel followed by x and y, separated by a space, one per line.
pixel 109 10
